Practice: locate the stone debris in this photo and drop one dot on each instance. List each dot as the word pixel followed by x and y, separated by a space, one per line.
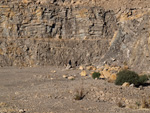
pixel 53 71
pixel 65 85
pixel 71 78
pixel 141 87
pixel 109 72
pixel 106 73
pixel 21 111
pixel 52 78
pixel 68 66
pixel 125 67
pixel 83 73
pixel 65 76
pixel 113 77
pixel 126 84
pixel 102 77
pixel 81 67
pixel 132 85
pixel 91 68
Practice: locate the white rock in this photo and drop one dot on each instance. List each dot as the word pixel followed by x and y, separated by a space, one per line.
pixel 68 66
pixel 21 111
pixel 132 85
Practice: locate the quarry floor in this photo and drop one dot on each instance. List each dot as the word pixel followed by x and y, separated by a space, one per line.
pixel 46 90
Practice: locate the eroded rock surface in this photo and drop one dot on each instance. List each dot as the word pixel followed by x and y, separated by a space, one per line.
pixel 54 32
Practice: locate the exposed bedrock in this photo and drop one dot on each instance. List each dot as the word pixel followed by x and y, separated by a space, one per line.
pixel 54 32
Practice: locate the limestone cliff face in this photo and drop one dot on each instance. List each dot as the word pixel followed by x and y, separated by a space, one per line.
pixel 38 20
pixel 53 32
pixel 131 41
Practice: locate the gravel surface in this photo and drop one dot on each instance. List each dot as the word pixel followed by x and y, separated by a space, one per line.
pixel 49 90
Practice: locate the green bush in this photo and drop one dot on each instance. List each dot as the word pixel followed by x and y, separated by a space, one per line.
pixel 130 77
pixel 143 79
pixel 96 75
pixel 127 76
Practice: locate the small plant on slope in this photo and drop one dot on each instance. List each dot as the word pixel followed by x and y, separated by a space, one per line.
pixel 79 94
pixel 143 79
pixel 96 75
pixel 130 77
pixel 127 76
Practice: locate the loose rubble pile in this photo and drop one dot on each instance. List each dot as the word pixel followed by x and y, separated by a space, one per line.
pixel 109 74
pixel 106 71
pixel 42 89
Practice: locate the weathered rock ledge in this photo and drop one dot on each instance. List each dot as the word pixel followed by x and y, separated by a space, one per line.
pixel 53 32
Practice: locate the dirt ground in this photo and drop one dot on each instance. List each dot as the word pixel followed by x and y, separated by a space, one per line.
pixel 46 90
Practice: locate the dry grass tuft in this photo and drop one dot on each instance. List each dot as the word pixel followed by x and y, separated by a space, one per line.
pixel 79 94
pixel 120 104
pixel 145 104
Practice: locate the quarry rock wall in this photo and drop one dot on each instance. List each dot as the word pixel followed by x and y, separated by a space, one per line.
pixel 54 32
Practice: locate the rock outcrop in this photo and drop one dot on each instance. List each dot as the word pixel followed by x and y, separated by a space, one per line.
pixel 55 32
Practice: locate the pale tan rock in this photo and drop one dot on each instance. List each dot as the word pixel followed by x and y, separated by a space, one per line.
pixel 21 111
pixel 101 68
pixel 125 67
pixel 64 76
pixel 81 68
pixel 48 76
pixel 25 1
pixel 83 73
pixel 52 78
pixel 17 93
pixel 106 74
pixel 91 73
pixel 91 68
pixel 42 1
pixel 53 71
pixel 113 77
pixel 115 68
pixel 107 66
pixel 71 78
pixel 102 76
pixel 126 84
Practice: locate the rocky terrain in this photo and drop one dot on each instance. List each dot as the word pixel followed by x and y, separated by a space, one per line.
pixel 50 48
pixel 55 90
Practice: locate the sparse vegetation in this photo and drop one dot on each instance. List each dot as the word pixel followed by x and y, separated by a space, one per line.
pixel 6 108
pixel 127 76
pixel 138 104
pixel 120 104
pixel 130 77
pixel 2 104
pixel 79 94
pixel 145 104
pixel 143 79
pixel 96 75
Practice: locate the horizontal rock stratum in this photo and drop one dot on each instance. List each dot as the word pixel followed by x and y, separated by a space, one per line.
pixel 55 32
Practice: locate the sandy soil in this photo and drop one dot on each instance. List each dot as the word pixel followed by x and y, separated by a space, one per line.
pixel 44 90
